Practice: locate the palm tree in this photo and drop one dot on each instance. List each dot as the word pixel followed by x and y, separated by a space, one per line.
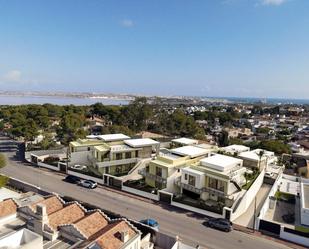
pixel 260 155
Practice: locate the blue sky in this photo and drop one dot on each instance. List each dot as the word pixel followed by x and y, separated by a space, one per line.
pixel 257 48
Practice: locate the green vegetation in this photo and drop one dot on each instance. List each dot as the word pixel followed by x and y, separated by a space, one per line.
pixel 285 197
pixel 250 178
pixel 277 146
pixel 3 179
pixel 70 122
pixel 2 161
pixel 302 229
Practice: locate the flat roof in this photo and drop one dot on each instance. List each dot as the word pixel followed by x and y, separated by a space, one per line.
pixel 194 171
pixel 140 142
pixel 220 162
pixel 102 148
pixel 121 147
pixel 254 154
pixel 236 148
pixel 185 141
pixel 191 151
pixel 113 137
pixel 85 142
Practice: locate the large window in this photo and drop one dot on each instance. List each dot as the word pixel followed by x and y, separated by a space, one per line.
pixel 118 156
pixel 158 171
pixel 191 180
pixel 216 184
pixel 128 155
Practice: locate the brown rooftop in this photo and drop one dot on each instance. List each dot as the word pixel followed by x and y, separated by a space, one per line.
pixel 66 215
pixel 7 207
pixel 91 224
pixel 110 237
pixel 52 204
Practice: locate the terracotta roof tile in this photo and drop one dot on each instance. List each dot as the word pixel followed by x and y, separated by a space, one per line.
pixel 52 204
pixel 92 223
pixel 110 237
pixel 7 207
pixel 66 215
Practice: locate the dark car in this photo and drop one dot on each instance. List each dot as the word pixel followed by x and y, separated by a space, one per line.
pixel 152 223
pixel 88 184
pixel 72 179
pixel 221 224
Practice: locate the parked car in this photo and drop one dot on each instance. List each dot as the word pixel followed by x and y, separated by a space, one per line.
pixel 220 223
pixel 152 223
pixel 269 174
pixel 88 184
pixel 79 167
pixel 72 179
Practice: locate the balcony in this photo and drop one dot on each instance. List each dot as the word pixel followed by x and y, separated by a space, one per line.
pixel 197 190
pixel 156 178
pixel 116 162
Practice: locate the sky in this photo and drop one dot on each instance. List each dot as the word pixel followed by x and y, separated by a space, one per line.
pixel 236 48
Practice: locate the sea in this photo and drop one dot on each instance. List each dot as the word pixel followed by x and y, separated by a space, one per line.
pixel 24 100
pixel 59 100
pixel 274 101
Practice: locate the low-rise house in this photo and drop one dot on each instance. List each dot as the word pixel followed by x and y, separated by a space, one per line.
pixel 163 167
pixel 235 149
pixel 113 154
pixel 117 234
pixel 258 159
pixel 121 158
pixel 183 142
pixel 214 179
pixel 53 218
pixel 238 132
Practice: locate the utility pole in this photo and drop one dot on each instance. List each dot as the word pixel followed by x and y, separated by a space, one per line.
pixel 254 215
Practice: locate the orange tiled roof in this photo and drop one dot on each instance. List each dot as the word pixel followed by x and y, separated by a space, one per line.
pixel 52 204
pixel 66 215
pixel 91 224
pixel 7 207
pixel 110 237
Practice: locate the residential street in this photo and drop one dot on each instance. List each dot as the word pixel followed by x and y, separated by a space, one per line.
pixel 172 221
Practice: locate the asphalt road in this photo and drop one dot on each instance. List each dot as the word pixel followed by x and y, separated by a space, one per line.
pixel 187 225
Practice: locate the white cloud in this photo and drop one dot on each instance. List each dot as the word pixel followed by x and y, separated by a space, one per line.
pixel 273 2
pixel 127 23
pixel 13 76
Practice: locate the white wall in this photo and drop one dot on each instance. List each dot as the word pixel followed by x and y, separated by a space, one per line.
pixel 44 165
pixel 249 196
pixel 170 183
pixel 294 237
pixel 140 193
pixel 199 179
pixel 83 176
pixel 6 219
pixel 80 157
pixel 304 212
pixel 196 210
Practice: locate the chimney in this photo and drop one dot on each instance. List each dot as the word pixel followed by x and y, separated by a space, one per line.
pixel 124 236
pixel 42 212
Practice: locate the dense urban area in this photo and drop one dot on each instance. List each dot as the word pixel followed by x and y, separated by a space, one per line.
pixel 187 166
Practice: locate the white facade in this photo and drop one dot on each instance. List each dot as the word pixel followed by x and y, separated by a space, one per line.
pixel 199 177
pixel 304 202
